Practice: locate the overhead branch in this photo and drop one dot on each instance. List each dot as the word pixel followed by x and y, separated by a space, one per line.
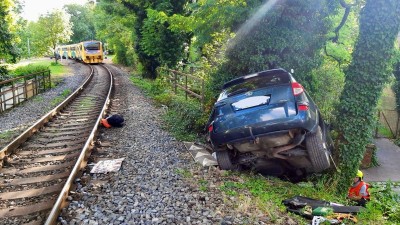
pixel 347 8
pixel 338 60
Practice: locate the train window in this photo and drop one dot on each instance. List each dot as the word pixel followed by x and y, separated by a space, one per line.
pixel 92 46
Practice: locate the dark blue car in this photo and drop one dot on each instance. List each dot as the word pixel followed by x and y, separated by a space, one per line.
pixel 267 122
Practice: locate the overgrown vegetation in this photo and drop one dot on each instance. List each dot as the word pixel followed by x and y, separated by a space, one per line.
pixel 266 194
pixel 64 94
pixel 184 118
pixel 366 76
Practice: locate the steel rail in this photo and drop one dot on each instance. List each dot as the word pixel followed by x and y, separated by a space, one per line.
pixel 80 163
pixel 12 146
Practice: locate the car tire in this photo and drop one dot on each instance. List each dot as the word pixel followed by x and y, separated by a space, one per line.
pixel 317 151
pixel 224 160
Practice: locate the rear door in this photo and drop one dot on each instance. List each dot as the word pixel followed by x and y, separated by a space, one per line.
pixel 258 100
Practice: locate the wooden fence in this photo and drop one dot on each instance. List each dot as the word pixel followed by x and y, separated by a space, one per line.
pixel 389 119
pixel 19 89
pixel 186 82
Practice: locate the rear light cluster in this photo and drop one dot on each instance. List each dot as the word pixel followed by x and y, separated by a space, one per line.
pixel 210 128
pixel 297 90
pixel 302 107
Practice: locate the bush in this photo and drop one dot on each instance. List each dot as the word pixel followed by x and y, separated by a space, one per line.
pixel 185 118
pixel 29 69
pixel 384 205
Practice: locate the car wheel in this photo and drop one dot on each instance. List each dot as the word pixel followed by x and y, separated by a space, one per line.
pixel 317 151
pixel 224 160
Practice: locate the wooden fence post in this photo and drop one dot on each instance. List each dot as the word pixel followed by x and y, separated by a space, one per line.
pixel 379 118
pixel 49 79
pixel 25 89
pixel 202 95
pixel 397 126
pixel 175 82
pixel 13 94
pixel 186 87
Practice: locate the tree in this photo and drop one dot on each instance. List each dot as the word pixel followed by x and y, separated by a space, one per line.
pixel 286 34
pixel 368 72
pixel 114 24
pixel 50 30
pixel 8 49
pixel 82 21
pixel 149 30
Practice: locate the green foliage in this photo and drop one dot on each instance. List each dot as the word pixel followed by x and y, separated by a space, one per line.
pixel 155 44
pixel 159 41
pixel 184 172
pixel 185 118
pixel 203 185
pixel 365 79
pixel 7 134
pixel 396 84
pixel 29 69
pixel 8 49
pixel 63 95
pixel 82 22
pixel 341 40
pixel 289 36
pixel 211 17
pixel 50 30
pixel 384 207
pixel 327 85
pixel 114 25
pixel 3 71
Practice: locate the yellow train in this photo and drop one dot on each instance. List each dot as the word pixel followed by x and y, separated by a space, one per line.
pixel 90 52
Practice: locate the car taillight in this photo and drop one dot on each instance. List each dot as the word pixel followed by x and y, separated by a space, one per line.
pixel 303 107
pixel 297 88
pixel 210 128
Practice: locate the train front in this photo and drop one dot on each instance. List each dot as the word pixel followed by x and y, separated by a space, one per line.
pixel 93 52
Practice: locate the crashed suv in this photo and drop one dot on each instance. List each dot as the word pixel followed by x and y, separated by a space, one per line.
pixel 266 121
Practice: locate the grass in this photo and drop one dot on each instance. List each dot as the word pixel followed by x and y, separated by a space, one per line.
pixel 7 134
pixel 385 132
pixel 61 97
pixel 56 69
pixel 185 173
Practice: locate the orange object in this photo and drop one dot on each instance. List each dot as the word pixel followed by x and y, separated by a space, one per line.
pixel 342 216
pixel 105 123
pixel 355 191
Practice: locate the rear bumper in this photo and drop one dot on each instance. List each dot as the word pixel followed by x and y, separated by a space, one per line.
pixel 302 121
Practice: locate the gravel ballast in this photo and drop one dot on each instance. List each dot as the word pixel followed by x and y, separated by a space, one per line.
pixel 148 188
pixel 158 182
pixel 19 118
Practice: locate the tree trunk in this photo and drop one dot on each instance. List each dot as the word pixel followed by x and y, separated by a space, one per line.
pixel 365 78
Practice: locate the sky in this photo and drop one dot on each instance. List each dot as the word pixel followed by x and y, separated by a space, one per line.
pixel 33 8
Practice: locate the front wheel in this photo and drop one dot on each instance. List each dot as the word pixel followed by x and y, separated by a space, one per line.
pixel 317 151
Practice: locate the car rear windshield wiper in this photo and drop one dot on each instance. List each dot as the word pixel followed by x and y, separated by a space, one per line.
pixel 241 90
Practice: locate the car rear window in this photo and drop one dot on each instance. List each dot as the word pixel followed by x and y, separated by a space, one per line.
pixel 255 81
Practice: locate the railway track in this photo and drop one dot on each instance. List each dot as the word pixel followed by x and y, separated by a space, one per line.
pixel 40 166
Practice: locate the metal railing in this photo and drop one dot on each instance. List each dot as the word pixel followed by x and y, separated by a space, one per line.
pixel 19 89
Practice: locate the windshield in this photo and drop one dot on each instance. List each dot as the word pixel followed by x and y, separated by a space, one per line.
pixel 254 83
pixel 92 45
